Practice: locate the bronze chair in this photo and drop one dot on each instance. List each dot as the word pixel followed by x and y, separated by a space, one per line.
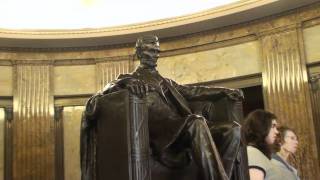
pixel 121 143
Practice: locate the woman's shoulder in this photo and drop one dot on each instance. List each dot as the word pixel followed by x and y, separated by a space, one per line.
pixel 257 159
pixel 253 151
pixel 285 169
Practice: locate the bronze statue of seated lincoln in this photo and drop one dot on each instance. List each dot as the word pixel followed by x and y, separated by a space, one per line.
pixel 177 132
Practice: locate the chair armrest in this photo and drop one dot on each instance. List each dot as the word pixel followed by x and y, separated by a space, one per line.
pixel 221 111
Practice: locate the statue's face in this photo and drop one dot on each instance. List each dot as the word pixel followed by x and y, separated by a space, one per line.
pixel 150 53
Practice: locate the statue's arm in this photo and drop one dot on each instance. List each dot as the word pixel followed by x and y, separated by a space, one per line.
pixel 199 93
pixel 118 84
pixel 135 85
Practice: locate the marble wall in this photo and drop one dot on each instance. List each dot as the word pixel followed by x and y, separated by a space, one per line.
pixel 71 135
pixel 6 80
pixel 216 64
pixel 74 80
pixel 312 41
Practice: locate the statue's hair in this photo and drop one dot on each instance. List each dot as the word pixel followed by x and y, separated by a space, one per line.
pixel 143 40
pixel 256 128
pixel 146 40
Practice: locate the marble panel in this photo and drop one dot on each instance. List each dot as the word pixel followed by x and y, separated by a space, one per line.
pixel 312 41
pixel 74 80
pixel 71 138
pixel 227 62
pixel 6 81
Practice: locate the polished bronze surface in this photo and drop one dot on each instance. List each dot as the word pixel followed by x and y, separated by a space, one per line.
pixel 2 143
pixel 33 125
pixel 286 93
pixel 315 99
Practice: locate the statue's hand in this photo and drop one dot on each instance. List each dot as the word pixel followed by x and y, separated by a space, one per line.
pixel 235 94
pixel 138 87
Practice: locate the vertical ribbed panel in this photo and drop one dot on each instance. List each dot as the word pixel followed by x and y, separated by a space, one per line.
pixel 2 143
pixel 315 99
pixel 286 94
pixel 33 125
pixel 109 71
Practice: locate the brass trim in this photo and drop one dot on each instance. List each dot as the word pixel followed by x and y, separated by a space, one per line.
pixel 311 22
pixel 59 143
pixel 71 100
pixel 6 62
pixel 8 143
pixel 130 57
pixel 6 101
pixel 313 64
pixel 208 46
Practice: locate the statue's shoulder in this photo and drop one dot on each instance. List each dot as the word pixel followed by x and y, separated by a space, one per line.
pixel 123 76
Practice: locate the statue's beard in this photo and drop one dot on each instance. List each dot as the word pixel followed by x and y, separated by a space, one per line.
pixel 151 63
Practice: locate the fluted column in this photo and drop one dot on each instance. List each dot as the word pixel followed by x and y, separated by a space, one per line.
pixel 286 92
pixel 110 70
pixel 315 99
pixel 33 124
pixel 2 142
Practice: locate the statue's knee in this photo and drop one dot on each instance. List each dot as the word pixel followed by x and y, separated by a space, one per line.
pixel 235 133
pixel 197 122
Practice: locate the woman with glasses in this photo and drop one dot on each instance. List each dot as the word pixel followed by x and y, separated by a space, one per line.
pixel 286 145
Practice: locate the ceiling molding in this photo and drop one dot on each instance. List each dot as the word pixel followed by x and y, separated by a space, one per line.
pixel 243 11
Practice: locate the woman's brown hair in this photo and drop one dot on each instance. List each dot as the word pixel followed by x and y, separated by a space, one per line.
pixel 256 128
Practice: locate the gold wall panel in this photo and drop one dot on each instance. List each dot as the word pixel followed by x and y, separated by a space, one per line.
pixel 73 80
pixel 5 80
pixel 33 124
pixel 314 82
pixel 312 41
pixel 228 62
pixel 2 143
pixel 110 70
pixel 71 139
pixel 286 94
pixel 315 99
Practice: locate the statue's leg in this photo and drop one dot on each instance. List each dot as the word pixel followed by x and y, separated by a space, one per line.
pixel 225 134
pixel 204 150
pixel 228 140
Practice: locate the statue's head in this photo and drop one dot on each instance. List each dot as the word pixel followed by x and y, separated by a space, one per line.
pixel 147 50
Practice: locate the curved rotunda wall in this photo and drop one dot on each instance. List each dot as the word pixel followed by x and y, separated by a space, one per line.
pixel 275 49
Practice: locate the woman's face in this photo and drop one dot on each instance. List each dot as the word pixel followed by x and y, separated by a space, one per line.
pixel 290 142
pixel 272 133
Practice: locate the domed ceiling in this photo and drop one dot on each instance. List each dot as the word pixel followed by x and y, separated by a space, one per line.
pixel 85 23
pixel 78 14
